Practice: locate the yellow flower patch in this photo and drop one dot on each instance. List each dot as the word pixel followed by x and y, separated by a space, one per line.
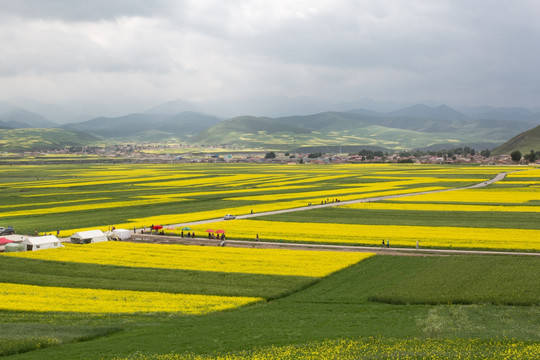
pixel 442 207
pixel 203 258
pixel 428 236
pixel 84 207
pixel 500 196
pixel 60 299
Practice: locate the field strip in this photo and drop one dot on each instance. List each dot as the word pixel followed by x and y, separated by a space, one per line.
pixel 160 239
pixel 497 177
pixel 61 299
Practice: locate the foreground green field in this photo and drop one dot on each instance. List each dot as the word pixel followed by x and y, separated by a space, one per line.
pixel 384 307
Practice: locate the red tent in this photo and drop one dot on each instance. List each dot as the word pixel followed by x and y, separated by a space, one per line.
pixel 4 241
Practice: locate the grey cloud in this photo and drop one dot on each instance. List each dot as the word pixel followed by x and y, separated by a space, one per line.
pixel 481 52
pixel 82 10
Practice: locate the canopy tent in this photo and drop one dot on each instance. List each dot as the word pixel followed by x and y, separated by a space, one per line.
pixel 123 234
pixel 42 243
pixel 87 237
pixel 4 241
pixel 14 247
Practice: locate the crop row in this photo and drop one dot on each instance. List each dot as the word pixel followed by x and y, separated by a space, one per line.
pixel 373 348
pixel 203 258
pixel 61 299
pixel 397 235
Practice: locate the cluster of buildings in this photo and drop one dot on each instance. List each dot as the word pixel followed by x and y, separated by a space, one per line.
pixel 181 153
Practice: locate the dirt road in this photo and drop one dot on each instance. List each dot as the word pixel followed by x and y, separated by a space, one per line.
pixel 323 247
pixel 164 239
pixel 498 177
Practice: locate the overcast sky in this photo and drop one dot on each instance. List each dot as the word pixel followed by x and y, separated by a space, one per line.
pixel 134 54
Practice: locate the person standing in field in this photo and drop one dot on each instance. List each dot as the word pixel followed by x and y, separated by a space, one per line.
pixel 387 243
pixel 416 244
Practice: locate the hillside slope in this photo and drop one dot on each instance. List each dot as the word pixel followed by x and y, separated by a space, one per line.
pixel 35 139
pixel 139 126
pixel 524 142
pixel 360 128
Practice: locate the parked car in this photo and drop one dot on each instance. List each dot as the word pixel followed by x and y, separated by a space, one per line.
pixel 229 217
pixel 7 231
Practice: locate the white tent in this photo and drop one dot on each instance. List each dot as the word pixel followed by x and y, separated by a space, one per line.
pixel 87 237
pixel 122 234
pixel 41 243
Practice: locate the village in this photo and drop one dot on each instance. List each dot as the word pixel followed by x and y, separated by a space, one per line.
pixel 224 153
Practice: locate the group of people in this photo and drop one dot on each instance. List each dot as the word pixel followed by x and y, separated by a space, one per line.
pixel 189 234
pixel 216 236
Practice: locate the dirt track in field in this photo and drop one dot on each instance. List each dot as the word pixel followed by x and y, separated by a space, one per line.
pixel 163 239
pixel 498 177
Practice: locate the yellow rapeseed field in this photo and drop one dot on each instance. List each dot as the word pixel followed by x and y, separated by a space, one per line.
pixel 59 299
pixel 441 207
pixel 373 348
pixel 428 236
pixel 467 196
pixel 530 173
pixel 84 207
pixel 203 258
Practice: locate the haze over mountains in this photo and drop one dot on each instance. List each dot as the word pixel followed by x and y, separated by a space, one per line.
pixel 385 125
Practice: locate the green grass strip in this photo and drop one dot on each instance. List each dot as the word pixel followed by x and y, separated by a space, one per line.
pixel 499 280
pixel 78 275
pixel 471 219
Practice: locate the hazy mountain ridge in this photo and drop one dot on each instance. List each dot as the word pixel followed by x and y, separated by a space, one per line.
pixel 14 117
pixel 416 126
pixel 182 125
pixel 365 127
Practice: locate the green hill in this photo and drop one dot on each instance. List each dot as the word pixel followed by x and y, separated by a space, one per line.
pixel 524 142
pixel 33 139
pixel 353 129
pixel 144 127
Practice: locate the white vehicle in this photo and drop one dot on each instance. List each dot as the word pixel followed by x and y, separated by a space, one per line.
pixel 229 217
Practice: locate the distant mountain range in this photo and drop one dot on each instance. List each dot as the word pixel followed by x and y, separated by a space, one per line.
pixel 414 127
pixel 417 126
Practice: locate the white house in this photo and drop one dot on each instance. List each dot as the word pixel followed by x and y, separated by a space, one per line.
pixel 87 237
pixel 41 243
